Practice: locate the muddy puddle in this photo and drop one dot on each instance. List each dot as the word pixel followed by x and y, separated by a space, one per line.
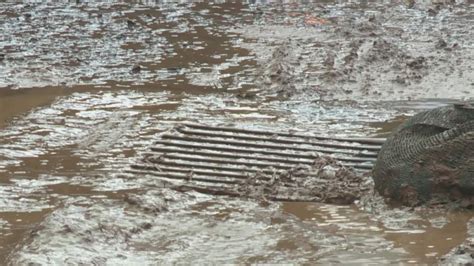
pixel 86 88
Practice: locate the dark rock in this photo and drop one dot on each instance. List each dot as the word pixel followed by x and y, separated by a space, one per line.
pixel 136 69
pixel 428 156
pixel 417 63
pixel 131 24
pixel 433 12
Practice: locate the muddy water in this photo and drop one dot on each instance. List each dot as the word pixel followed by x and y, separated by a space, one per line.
pixel 86 88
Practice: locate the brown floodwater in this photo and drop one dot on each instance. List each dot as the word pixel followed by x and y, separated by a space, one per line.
pixel 14 103
pixel 85 88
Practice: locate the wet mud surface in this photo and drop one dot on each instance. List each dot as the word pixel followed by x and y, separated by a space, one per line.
pixel 86 88
pixel 343 185
pixel 464 253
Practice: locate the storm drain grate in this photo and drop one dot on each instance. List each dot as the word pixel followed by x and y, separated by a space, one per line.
pixel 274 165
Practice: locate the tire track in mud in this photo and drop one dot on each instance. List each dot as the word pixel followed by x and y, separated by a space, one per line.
pixel 72 151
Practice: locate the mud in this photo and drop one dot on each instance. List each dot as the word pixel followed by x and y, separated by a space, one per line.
pixel 463 254
pixel 86 88
pixel 331 183
pixel 381 52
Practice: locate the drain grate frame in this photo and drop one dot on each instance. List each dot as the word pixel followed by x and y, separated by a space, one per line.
pixel 220 160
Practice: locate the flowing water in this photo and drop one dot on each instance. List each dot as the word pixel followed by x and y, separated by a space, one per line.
pixel 86 87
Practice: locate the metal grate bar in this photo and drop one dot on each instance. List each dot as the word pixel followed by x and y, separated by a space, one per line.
pixel 376 141
pixel 277 139
pixel 238 155
pixel 211 140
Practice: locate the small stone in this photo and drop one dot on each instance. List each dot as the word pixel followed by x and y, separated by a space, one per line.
pixel 432 12
pixel 136 69
pixel 441 44
pixel 147 226
pixel 410 3
pixel 460 251
pixel 131 24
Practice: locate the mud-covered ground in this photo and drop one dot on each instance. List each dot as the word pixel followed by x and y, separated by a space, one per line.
pixel 86 87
